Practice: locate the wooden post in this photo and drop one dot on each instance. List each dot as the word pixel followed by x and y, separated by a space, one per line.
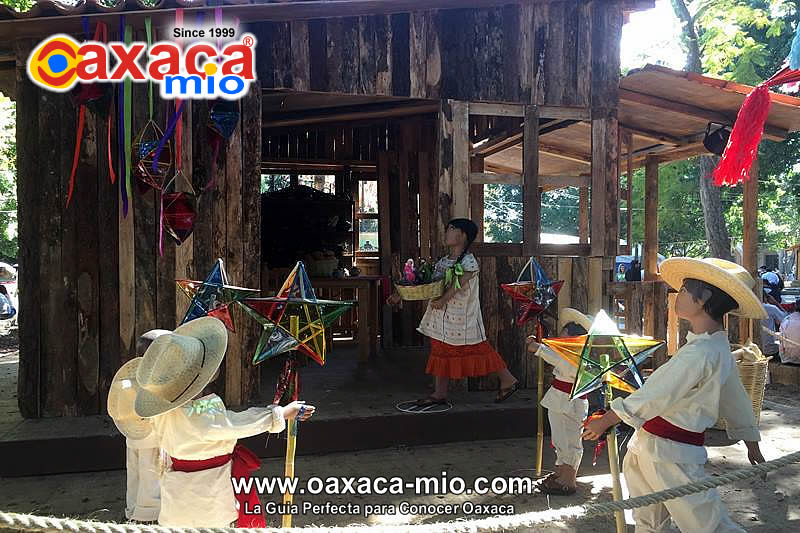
pixel 583 216
pixel 531 193
pixel 672 324
pixel 476 164
pixel 565 274
pixel 596 283
pixel 629 192
pixel 651 220
pixel 750 240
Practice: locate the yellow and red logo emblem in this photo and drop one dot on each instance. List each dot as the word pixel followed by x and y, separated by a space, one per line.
pixel 53 64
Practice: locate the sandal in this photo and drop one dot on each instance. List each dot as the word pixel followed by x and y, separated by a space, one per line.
pixel 505 394
pixel 430 400
pixel 550 485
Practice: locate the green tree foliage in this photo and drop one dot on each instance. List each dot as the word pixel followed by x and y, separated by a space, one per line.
pixel 19 5
pixel 8 180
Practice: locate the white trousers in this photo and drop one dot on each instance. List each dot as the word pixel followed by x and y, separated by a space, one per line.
pixel 143 497
pixel 702 512
pixel 565 432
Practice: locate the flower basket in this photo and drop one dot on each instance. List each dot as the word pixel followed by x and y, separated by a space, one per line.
pixel 752 366
pixel 428 291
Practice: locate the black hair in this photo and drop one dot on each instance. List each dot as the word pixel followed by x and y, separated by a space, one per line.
pixel 469 228
pixel 717 305
pixel 574 329
pixel 3 290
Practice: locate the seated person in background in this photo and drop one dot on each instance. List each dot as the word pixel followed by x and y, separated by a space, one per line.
pixel 6 307
pixel 790 329
pixel 775 316
pixel 772 284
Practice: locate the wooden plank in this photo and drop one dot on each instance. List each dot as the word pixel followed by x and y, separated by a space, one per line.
pixel 651 221
pixel 202 254
pixel 629 193
pixel 418 41
pixel 335 55
pixel 53 294
pixel 512 38
pixel 184 254
pixel 218 215
pixel 672 324
pixel 282 55
pixel 555 63
pixel 460 159
pixel 496 249
pixel 489 289
pixel 445 170
pixel 564 181
pixel 561 112
pixel 580 289
pixel 401 67
pixel 349 67
pixel 564 250
pixel 571 23
pixel 599 192
pixel 595 284
pixel 383 55
pixel 367 54
pixel 750 240
pixel 583 215
pixel 532 195
pixel 583 53
pixel 164 258
pixel 66 341
pixel 301 60
pixel 108 261
pixel 496 110
pixel 427 218
pixel 655 316
pixel 235 362
pixel 476 195
pixel 640 293
pixel 145 231
pixel 541 39
pixel 384 212
pixel 318 54
pixel 433 55
pixel 527 62
pixel 564 274
pixel 87 317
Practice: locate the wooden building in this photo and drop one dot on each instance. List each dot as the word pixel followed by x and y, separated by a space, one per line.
pixel 393 91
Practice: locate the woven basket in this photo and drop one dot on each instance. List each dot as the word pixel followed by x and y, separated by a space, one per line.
pixel 428 291
pixel 754 379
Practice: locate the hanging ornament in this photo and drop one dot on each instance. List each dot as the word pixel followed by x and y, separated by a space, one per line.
pixel 223 118
pixel 144 156
pixel 178 211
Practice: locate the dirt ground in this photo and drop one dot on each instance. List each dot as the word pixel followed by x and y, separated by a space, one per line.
pixel 759 506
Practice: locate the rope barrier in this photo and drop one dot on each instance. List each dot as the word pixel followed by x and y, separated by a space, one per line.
pixel 27 522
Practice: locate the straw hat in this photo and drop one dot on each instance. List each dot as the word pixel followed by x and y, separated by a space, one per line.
pixel 726 276
pixel 177 366
pixel 568 314
pixel 121 397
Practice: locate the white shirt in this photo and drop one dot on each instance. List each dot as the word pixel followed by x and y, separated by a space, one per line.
pixel 203 429
pixel 460 322
pixel 698 385
pixel 790 328
pixel 775 316
pixel 558 401
pixel 771 278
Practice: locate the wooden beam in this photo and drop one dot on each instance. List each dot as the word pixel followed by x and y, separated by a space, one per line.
pixel 750 239
pixel 498 144
pixel 460 158
pixel 564 181
pixel 564 112
pixel 651 221
pixel 565 274
pixel 531 194
pixel 575 157
pixel 563 250
pixel 480 178
pixel 476 192
pixel 496 110
pixel 583 216
pixel 652 135
pixel 595 285
pixel 399 111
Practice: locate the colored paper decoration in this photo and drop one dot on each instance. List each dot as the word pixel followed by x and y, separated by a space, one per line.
pixel 534 294
pixel 179 215
pixel 144 156
pixel 213 297
pixel 605 354
pixel 295 301
pixel 223 118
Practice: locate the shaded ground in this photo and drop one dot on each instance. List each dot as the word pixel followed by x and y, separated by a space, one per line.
pixel 759 506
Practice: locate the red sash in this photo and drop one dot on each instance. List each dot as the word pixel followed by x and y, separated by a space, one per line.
pixel 661 428
pixel 564 386
pixel 244 462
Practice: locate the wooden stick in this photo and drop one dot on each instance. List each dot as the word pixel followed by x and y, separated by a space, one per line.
pixel 779 336
pixel 291 440
pixel 613 461
pixel 539 395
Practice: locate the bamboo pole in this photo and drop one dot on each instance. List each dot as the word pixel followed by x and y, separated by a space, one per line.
pixel 291 441
pixel 539 409
pixel 613 457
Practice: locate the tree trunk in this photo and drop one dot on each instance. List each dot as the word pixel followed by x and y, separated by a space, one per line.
pixel 719 242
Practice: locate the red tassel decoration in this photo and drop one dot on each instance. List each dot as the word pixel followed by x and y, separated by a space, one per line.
pixel 742 148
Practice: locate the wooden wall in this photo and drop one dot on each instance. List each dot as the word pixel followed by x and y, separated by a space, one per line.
pixel 537 52
pixel 92 281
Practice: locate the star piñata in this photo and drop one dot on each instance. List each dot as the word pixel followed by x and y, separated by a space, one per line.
pixel 213 297
pixel 605 354
pixel 535 295
pixel 295 298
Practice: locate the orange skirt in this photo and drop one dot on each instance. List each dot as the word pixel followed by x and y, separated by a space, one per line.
pixel 466 361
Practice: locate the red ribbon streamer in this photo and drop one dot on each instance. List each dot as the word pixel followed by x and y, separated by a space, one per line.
pixel 76 155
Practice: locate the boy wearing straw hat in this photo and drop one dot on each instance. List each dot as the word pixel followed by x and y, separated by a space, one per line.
pixel 142 497
pixel 198 433
pixel 685 396
pixel 565 416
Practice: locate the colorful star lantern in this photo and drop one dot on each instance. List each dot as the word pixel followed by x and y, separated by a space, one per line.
pixel 213 297
pixel 535 294
pixel 295 300
pixel 605 354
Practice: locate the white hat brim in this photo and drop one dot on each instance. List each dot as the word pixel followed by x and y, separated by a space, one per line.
pixel 676 269
pixel 214 336
pixel 568 314
pixel 129 424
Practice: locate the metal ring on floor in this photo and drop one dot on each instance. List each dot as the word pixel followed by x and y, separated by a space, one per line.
pixel 412 407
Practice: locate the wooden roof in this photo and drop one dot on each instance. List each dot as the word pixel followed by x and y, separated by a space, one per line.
pixel 666 111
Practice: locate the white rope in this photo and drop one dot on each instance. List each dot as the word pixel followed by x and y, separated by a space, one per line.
pixel 26 522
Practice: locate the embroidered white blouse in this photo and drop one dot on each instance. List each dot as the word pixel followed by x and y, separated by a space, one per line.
pixel 558 401
pixel 203 429
pixel 699 384
pixel 460 322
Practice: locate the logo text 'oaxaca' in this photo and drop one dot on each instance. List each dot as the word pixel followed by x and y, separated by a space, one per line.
pixel 197 71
